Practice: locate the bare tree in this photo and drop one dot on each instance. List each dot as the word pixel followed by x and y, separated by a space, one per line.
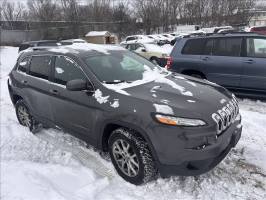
pixel 11 12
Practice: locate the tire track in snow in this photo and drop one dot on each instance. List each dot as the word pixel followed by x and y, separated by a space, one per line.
pixel 83 156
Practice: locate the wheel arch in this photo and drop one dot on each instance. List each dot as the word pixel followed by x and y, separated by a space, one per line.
pixel 109 127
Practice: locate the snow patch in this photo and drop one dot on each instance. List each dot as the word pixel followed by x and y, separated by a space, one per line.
pixel 165 109
pixel 223 101
pixel 191 83
pixel 153 90
pixel 98 95
pixel 115 104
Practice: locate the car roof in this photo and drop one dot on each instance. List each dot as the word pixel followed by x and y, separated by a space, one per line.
pixel 76 49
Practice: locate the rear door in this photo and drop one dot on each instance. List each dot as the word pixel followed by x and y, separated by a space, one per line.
pixel 222 61
pixel 254 76
pixel 38 86
pixel 73 110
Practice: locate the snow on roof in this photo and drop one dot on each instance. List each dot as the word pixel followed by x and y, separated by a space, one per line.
pixel 96 47
pixel 97 33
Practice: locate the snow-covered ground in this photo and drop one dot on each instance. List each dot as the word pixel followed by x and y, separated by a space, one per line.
pixel 53 165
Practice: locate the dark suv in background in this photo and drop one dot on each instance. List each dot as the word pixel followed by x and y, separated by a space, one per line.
pixel 148 119
pixel 236 61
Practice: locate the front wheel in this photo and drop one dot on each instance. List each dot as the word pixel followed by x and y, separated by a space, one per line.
pixel 131 156
pixel 24 117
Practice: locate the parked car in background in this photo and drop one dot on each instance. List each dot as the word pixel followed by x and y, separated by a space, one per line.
pixel 72 41
pixel 141 38
pixel 258 29
pixel 26 45
pixel 152 52
pixel 149 120
pixel 235 61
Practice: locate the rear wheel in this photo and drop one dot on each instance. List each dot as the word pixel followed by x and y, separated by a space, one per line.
pixel 131 156
pixel 25 118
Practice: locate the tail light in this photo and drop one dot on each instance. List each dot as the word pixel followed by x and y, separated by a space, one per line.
pixel 169 63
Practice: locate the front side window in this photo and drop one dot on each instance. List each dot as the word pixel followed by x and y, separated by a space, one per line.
pixel 40 66
pixel 23 64
pixel 194 47
pixel 256 47
pixel 119 66
pixel 227 47
pixel 66 70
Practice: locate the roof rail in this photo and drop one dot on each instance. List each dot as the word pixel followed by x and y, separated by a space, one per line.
pixel 219 34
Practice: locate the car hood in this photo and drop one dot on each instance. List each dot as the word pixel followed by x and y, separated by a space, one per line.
pixel 183 94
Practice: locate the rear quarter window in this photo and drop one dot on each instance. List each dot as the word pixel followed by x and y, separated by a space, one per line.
pixel 40 66
pixel 193 47
pixel 23 64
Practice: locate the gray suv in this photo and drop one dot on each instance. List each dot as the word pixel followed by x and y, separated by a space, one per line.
pixel 149 120
pixel 235 61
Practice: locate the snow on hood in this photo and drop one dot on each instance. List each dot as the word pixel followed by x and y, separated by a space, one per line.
pixel 158 75
pixel 164 109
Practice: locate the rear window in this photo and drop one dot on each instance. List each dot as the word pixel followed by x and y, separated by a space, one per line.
pixel 52 44
pixel 193 47
pixel 227 47
pixel 40 66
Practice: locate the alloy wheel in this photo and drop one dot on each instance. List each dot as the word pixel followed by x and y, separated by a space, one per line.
pixel 125 158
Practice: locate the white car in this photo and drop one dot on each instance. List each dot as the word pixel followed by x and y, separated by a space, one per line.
pixel 152 52
pixel 138 38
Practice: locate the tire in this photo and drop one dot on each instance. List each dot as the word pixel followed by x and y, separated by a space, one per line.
pixel 25 118
pixel 144 165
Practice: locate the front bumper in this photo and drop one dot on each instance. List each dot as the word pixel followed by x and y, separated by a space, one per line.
pixel 185 160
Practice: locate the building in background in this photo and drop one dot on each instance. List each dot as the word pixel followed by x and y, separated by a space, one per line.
pixel 101 37
pixel 258 18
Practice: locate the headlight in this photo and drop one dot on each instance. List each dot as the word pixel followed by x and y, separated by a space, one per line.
pixel 179 121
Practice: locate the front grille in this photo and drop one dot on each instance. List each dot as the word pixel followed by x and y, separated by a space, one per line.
pixel 226 116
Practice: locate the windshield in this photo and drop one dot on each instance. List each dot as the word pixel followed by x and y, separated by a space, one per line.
pixel 118 67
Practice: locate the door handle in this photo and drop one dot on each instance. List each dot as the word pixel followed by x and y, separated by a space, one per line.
pixel 205 58
pixel 54 92
pixel 249 61
pixel 24 82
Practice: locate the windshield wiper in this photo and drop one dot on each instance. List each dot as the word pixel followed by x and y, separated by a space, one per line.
pixel 116 82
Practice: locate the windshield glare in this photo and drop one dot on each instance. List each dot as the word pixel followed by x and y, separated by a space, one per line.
pixel 119 67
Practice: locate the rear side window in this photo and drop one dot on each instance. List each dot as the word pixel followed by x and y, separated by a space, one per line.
pixel 23 64
pixel 193 47
pixel 40 66
pixel 227 47
pixel 256 47
pixel 208 47
pixel 66 70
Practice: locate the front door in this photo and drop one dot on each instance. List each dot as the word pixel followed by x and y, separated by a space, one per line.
pixel 254 76
pixel 73 110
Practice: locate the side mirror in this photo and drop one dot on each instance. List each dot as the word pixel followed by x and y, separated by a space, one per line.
pixel 79 85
